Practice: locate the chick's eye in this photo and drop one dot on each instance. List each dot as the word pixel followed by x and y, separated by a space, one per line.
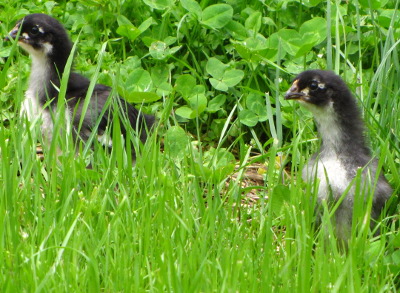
pixel 314 85
pixel 34 30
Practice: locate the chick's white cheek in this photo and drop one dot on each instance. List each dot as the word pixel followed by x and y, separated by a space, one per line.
pixel 25 46
pixel 38 53
pixel 305 91
pixel 47 48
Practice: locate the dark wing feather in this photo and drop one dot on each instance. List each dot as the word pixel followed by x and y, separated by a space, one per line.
pixel 76 93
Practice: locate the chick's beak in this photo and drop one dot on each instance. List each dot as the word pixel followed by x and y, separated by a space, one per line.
pixel 293 93
pixel 13 33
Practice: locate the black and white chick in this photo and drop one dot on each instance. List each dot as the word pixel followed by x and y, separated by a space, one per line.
pixel 343 150
pixel 49 46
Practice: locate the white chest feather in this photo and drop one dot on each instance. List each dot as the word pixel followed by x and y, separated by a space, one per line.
pixel 38 80
pixel 328 168
pixel 31 106
pixel 328 127
pixel 331 174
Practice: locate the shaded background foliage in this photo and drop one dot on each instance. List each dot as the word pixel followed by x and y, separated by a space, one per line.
pixel 210 56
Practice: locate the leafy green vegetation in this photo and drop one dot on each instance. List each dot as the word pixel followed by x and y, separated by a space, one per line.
pixel 190 216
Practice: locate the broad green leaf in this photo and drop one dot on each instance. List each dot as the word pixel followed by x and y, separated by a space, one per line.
pixel 128 31
pixel 256 104
pixel 303 50
pixel 313 31
pixel 236 30
pixel 256 43
pixel 248 54
pixel 163 89
pixel 229 79
pixel 217 16
pixel 185 112
pixel 198 103
pixel 253 22
pixel 232 77
pixel 126 28
pixel 99 3
pixel 218 84
pixel 49 6
pixel 273 41
pixel 243 51
pixel 139 80
pixel 271 52
pixel 146 24
pixel 198 89
pixel 374 4
pixel 140 97
pixel 215 104
pixel 192 6
pixel 122 20
pixel 218 164
pixel 129 64
pixel 160 74
pixel 215 68
pixel 159 4
pixel 174 49
pixel 184 85
pixel 386 16
pixel 315 2
pixel 291 41
pixel 176 142
pixel 269 21
pixel 147 40
pixel 248 118
pixel 159 50
pixel 5 52
pixel 311 3
pixel 170 40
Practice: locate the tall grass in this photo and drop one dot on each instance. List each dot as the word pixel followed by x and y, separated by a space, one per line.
pixel 166 224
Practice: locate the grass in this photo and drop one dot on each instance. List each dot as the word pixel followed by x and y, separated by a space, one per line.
pixel 176 221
